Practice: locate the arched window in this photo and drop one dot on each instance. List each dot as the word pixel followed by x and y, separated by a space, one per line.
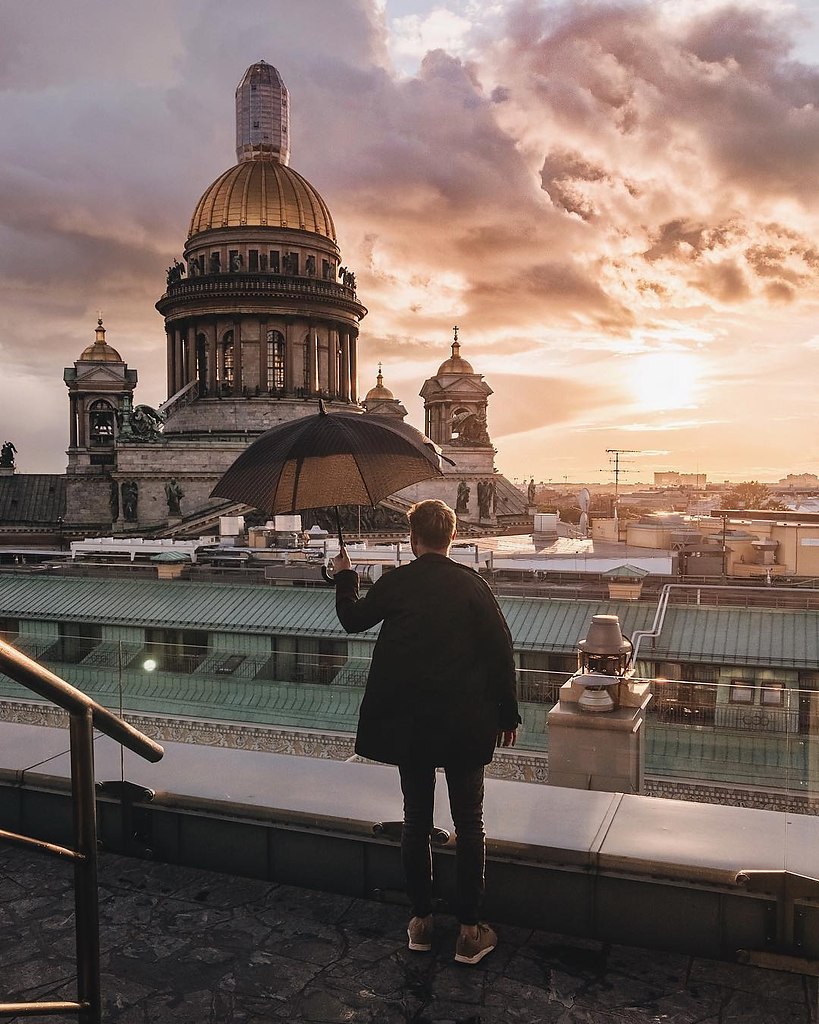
pixel 226 363
pixel 202 363
pixel 101 424
pixel 276 376
pixel 458 418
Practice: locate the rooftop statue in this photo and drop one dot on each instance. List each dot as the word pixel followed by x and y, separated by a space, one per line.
pixel 130 498
pixel 176 271
pixel 462 502
pixel 146 423
pixel 7 453
pixel 174 495
pixel 470 428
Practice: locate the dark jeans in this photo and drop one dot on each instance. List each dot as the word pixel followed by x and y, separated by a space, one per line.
pixel 466 804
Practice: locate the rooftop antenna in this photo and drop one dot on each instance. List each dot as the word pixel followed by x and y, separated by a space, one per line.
pixel 615 461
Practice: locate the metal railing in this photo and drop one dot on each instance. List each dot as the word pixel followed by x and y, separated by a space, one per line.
pixel 84 716
pixel 728 727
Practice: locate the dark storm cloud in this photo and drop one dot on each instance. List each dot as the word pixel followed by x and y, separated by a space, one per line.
pixel 681 239
pixel 560 172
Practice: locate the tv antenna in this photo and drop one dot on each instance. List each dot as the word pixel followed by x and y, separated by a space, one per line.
pixel 615 461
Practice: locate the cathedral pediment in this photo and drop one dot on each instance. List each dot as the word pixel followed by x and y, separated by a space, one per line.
pixel 99 375
pixel 457 386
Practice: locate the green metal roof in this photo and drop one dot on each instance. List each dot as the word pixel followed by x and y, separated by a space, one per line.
pixel 739 636
pixel 184 605
pixel 626 571
pixel 171 556
pixel 31 499
pixel 556 625
pixel 710 635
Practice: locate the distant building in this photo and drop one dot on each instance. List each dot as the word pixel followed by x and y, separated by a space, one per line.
pixel 762 545
pixel 672 478
pixel 799 480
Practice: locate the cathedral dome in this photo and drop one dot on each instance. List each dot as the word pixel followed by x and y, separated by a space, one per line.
pixel 262 193
pixel 100 351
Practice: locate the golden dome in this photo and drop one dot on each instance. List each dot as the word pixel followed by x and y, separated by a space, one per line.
pixel 100 351
pixel 455 364
pixel 262 193
pixel 379 393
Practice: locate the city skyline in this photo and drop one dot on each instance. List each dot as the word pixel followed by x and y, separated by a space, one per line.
pixel 615 203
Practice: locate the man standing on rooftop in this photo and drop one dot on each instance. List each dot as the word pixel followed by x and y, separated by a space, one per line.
pixel 440 693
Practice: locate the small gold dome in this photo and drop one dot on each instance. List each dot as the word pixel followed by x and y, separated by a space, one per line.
pixel 379 393
pixel 455 364
pixel 100 351
pixel 262 193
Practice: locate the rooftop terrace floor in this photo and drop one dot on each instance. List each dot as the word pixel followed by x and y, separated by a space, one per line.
pixel 183 945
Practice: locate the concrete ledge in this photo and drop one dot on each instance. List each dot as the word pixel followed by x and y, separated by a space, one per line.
pixel 632 869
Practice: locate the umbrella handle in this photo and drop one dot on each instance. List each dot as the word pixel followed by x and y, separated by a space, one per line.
pixel 338 527
pixel 328 576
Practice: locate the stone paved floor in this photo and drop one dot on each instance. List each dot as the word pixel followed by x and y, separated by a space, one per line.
pixel 182 945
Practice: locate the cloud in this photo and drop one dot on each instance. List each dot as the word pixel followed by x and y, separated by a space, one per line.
pixel 570 183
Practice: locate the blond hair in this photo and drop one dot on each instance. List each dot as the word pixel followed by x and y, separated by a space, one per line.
pixel 433 523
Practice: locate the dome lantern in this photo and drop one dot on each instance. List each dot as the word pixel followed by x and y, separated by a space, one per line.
pixel 262 115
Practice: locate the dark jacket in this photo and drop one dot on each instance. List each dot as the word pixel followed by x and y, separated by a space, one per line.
pixel 442 680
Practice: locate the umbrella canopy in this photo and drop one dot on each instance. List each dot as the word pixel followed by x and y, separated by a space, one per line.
pixel 337 459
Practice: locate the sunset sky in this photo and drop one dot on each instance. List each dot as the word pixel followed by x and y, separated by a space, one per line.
pixel 615 202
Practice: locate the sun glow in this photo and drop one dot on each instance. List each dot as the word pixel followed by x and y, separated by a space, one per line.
pixel 665 380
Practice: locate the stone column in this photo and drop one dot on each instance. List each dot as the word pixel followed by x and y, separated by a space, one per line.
pixel 353 335
pixel 169 348
pixel 344 389
pixel 190 353
pixel 82 423
pixel 332 361
pixel 210 333
pixel 312 355
pixel 72 425
pixel 261 381
pixel 289 360
pixel 237 357
pixel 179 361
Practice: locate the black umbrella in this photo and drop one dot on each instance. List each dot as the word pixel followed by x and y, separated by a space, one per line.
pixel 338 459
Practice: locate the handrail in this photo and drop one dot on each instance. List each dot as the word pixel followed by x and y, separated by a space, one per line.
pixel 32 675
pixel 639 635
pixel 84 715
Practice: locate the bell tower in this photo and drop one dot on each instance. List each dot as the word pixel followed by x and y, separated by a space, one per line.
pixel 455 403
pixel 100 389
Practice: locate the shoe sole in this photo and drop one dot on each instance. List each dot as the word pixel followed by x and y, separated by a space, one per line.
pixel 418 947
pixel 461 959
